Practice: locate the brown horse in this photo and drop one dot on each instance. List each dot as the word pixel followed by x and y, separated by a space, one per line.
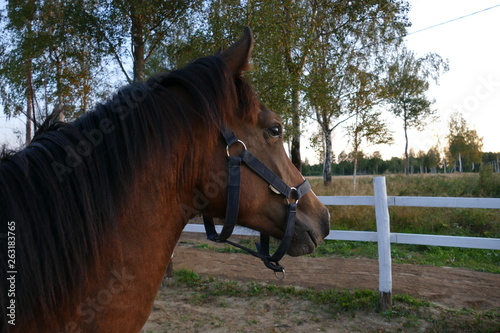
pixel 90 211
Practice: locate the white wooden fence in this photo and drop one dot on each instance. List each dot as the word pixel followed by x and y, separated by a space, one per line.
pixel 383 235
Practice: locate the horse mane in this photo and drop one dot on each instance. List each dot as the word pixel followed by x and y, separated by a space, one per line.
pixel 66 188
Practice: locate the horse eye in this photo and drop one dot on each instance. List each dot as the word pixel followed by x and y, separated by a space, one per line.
pixel 275 131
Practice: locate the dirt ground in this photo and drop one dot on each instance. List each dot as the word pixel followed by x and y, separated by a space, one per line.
pixel 175 311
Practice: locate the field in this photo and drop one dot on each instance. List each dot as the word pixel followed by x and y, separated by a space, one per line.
pixel 440 221
pixel 457 222
pixel 218 289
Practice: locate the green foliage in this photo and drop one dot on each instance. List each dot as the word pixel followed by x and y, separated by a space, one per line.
pixel 133 31
pixel 50 57
pixel 466 320
pixel 187 277
pixel 464 144
pixel 476 259
pixel 489 183
pixel 423 220
pixel 404 89
pixel 408 79
pixel 57 53
pixel 421 163
pixel 337 300
pixel 345 65
pixel 430 185
pixel 331 302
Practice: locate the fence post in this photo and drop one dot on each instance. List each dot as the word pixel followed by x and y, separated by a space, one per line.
pixel 384 242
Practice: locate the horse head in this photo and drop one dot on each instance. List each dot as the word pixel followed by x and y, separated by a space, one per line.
pixel 256 134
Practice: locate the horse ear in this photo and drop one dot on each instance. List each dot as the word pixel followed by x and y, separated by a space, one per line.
pixel 237 56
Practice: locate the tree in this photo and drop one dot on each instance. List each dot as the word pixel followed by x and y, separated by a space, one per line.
pixel 133 30
pixel 375 162
pixel 56 51
pixel 285 31
pixel 16 73
pixel 493 159
pixel 343 69
pixel 464 144
pixel 432 159
pixel 288 35
pixel 421 161
pixel 407 81
pixel 367 123
pixel 49 60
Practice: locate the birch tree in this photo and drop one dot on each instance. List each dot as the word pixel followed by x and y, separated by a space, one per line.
pixel 132 30
pixel 350 45
pixel 464 144
pixel 407 82
pixel 48 61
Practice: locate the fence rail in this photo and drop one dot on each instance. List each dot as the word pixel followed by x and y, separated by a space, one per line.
pixel 383 235
pixel 399 238
pixel 416 239
pixel 443 202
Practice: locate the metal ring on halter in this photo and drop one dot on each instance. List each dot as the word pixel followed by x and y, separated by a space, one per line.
pixel 240 142
pixel 294 190
pixel 280 275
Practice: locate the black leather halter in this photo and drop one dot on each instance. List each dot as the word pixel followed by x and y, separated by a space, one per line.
pixel 276 184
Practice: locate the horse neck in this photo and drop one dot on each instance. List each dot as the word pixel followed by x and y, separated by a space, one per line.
pixel 150 222
pixel 149 218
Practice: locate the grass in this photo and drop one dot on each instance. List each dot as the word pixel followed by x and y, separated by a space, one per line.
pixel 442 221
pixel 420 220
pixel 411 310
pixel 485 184
pixel 475 259
pixel 337 300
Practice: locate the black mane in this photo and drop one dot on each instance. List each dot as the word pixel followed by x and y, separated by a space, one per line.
pixel 64 190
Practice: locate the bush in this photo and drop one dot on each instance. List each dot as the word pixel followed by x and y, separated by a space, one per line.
pixel 489 183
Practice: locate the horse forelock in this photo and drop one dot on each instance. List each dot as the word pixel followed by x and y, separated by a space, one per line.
pixel 64 190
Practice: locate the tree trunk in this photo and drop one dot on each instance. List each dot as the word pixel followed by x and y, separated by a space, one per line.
pixel 30 110
pixel 327 164
pixel 295 151
pixel 355 167
pixel 407 158
pixel 59 109
pixel 138 47
pixel 459 162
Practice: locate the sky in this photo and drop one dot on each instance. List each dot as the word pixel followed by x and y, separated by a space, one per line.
pixel 471 86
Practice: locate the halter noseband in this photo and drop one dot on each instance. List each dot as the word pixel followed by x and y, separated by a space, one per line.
pixel 276 184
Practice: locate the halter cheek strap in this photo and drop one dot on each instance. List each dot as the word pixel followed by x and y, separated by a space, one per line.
pixel 276 184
